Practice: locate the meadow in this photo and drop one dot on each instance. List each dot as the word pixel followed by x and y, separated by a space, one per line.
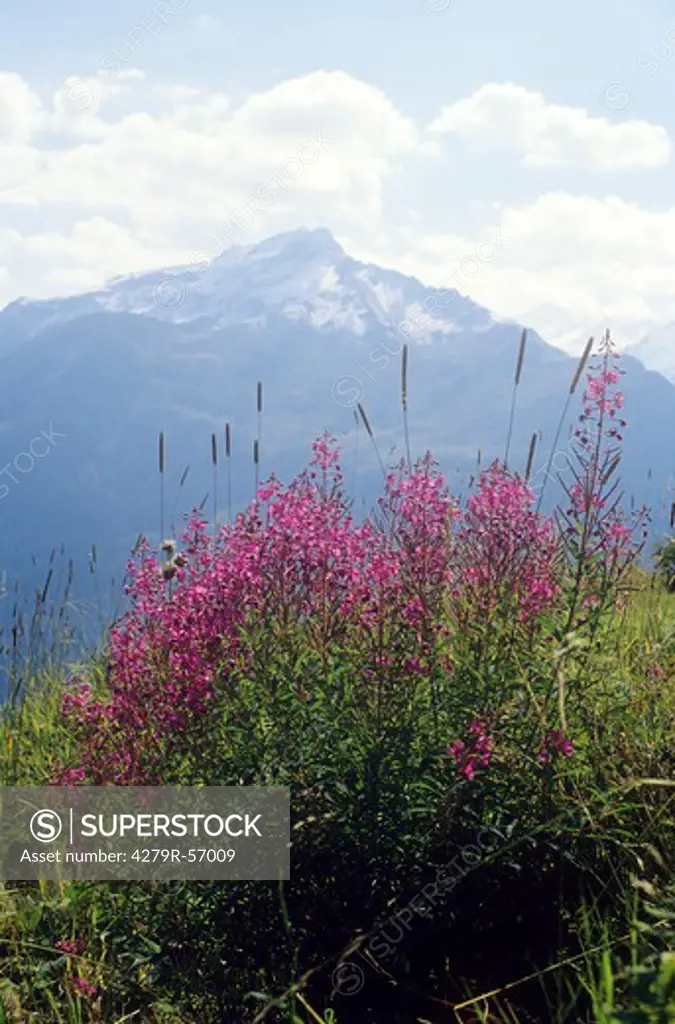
pixel 473 704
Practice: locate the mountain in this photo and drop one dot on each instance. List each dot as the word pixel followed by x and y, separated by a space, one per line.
pixel 87 383
pixel 657 351
pixel 305 277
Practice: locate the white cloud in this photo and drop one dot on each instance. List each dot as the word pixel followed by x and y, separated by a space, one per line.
pixel 184 161
pixel 202 152
pixel 77 260
pixel 577 261
pixel 157 173
pixel 131 74
pixel 569 265
pixel 511 117
pixel 21 112
pixel 102 243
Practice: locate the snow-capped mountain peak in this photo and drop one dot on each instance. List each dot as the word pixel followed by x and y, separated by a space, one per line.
pixel 302 276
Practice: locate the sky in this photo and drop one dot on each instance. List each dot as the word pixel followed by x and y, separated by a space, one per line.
pixel 141 134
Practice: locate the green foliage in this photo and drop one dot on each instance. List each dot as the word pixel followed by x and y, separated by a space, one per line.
pixel 378 809
pixel 630 977
pixel 665 562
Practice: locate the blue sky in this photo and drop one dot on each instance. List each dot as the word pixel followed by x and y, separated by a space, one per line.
pixel 129 132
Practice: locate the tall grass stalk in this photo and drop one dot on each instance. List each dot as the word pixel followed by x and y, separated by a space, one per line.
pixel 259 409
pixel 530 456
pixel 161 486
pixel 404 403
pixel 181 484
pixel 228 456
pixel 514 395
pixel 356 452
pixel 369 431
pixel 214 463
pixel 573 386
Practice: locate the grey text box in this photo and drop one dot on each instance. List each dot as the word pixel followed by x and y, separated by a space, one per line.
pixel 102 833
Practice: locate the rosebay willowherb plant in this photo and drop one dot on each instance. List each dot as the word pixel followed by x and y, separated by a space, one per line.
pixel 602 541
pixel 402 592
pixel 295 561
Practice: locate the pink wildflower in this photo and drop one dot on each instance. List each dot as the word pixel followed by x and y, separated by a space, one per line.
pixel 74 947
pixel 554 742
pixel 476 752
pixel 83 987
pixel 505 550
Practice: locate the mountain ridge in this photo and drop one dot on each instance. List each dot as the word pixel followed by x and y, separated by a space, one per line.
pixel 303 274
